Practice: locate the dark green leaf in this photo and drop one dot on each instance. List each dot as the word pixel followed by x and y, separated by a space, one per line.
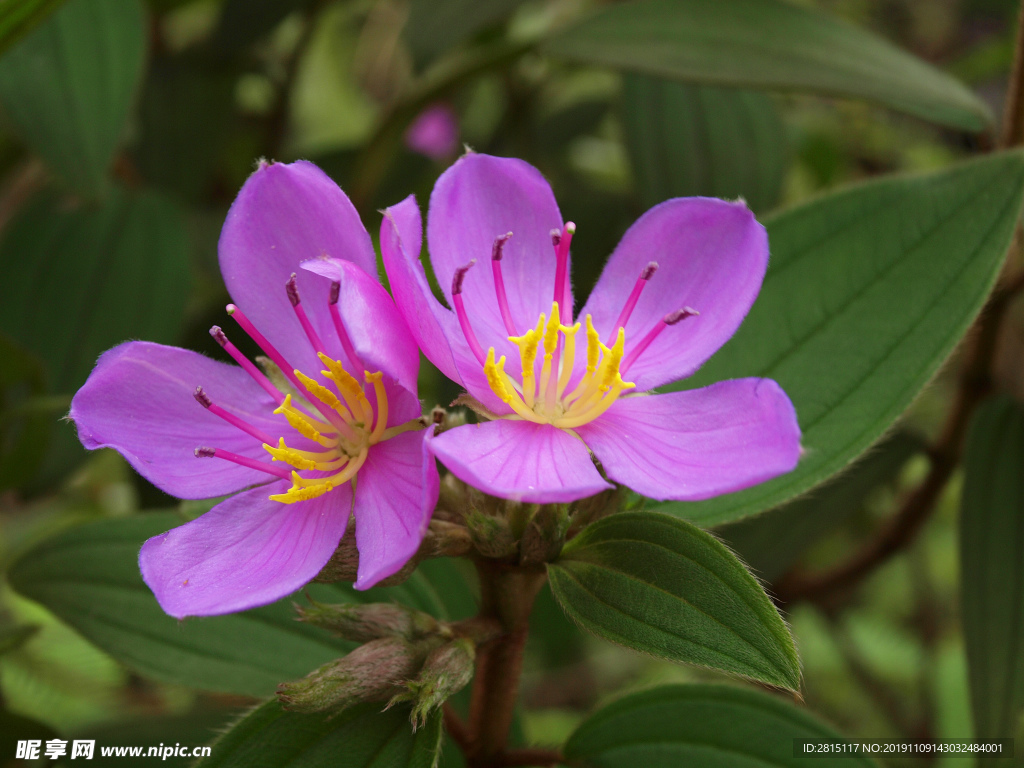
pixel 767 44
pixel 360 737
pixel 24 426
pixel 68 86
pixel 193 729
pixel 243 22
pixel 91 277
pixel 867 293
pixel 687 140
pixel 712 726
pixel 771 543
pixel 19 16
pixel 661 586
pixel 992 566
pixel 89 577
pixel 434 26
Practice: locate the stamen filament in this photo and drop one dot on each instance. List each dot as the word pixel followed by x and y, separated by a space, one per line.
pixel 562 269
pixel 204 400
pixel 339 328
pixel 292 289
pixel 377 379
pixel 250 367
pixel 263 343
pixel 499 284
pixel 305 425
pixel 528 344
pixel 304 489
pixel 245 461
pixel 568 357
pixel 296 458
pixel 549 382
pixel 634 297
pixel 460 311
pixel 349 388
pixel 670 319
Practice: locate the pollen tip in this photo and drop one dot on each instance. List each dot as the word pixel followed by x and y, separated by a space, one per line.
pixel 293 290
pixel 680 314
pixel 203 452
pixel 556 237
pixel 499 246
pixel 459 276
pixel 570 227
pixel 335 292
pixel 202 398
pixel 231 309
pixel 649 271
pixel 219 336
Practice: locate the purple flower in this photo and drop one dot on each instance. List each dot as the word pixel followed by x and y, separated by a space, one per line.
pixel 434 132
pixel 337 433
pixel 556 390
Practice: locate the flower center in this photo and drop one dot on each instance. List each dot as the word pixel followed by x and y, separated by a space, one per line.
pixel 339 418
pixel 548 398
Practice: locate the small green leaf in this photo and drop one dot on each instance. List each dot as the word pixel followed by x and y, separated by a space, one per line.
pixel 68 86
pixel 712 726
pixel 867 293
pixel 91 277
pixel 19 17
pixel 89 577
pixel 992 566
pixel 687 140
pixel 771 543
pixel 767 44
pixel 661 586
pixel 360 737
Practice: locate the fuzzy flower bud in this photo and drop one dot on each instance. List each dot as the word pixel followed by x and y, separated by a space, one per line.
pixel 544 534
pixel 491 536
pixel 372 672
pixel 363 623
pixel 447 670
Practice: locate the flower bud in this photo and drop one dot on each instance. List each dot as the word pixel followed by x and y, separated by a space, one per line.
pixel 544 535
pixel 363 623
pixel 491 536
pixel 372 672
pixel 447 670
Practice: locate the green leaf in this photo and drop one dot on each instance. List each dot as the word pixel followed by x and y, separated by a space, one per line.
pixel 992 566
pixel 360 737
pixel 767 44
pixel 67 87
pixel 713 726
pixel 434 26
pixel 91 277
pixel 771 543
pixel 20 16
pixel 687 140
pixel 661 586
pixel 868 291
pixel 89 577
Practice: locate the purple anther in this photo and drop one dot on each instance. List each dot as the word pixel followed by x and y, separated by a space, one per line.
pixel 649 271
pixel 679 315
pixel 497 251
pixel 202 398
pixel 205 453
pixel 293 291
pixel 459 276
pixel 335 292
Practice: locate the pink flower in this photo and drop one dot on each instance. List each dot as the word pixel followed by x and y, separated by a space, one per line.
pixel 290 451
pixel 434 132
pixel 560 392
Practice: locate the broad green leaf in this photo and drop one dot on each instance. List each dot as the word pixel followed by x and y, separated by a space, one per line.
pixel 771 543
pixel 195 728
pixel 868 291
pixel 767 44
pixel 91 277
pixel 711 726
pixel 992 566
pixel 89 577
pixel 434 26
pixel 68 86
pixel 24 427
pixel 360 737
pixel 686 140
pixel 17 17
pixel 664 587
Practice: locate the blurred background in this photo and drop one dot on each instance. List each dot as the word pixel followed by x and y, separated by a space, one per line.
pixel 109 219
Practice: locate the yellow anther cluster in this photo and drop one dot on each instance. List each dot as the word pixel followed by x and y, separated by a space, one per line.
pixel 547 401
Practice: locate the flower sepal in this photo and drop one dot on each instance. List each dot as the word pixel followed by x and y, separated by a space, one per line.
pixel 446 671
pixel 362 623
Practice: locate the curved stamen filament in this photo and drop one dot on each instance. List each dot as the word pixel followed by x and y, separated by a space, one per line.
pixel 528 344
pixel 306 488
pixel 204 400
pixel 305 425
pixel 292 288
pixel 258 376
pixel 377 379
pixel 499 284
pixel 460 311
pixel 634 297
pixel 339 328
pixel 328 403
pixel 326 462
pixel 245 461
pixel 350 390
pixel 670 319
pixel 562 243
pixel 263 343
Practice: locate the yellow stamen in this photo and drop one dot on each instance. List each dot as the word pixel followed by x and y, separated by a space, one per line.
pixel 304 459
pixel 528 344
pixel 349 388
pixel 568 356
pixel 302 423
pixel 306 488
pixel 550 346
pixel 498 379
pixel 324 395
pixel 377 379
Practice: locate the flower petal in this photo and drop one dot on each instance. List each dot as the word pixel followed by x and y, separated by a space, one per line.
pixel 284 215
pixel 139 401
pixel 396 492
pixel 700 443
pixel 520 460
pixel 712 256
pixel 379 334
pixel 245 552
pixel 475 201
